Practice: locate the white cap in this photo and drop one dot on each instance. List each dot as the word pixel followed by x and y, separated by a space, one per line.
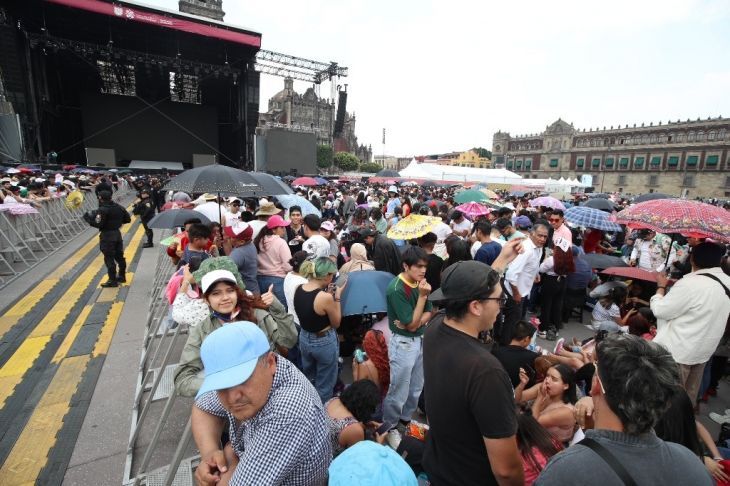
pixel 216 276
pixel 393 189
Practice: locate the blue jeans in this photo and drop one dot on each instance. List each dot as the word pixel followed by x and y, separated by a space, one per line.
pixel 320 360
pixel 406 378
pixel 266 280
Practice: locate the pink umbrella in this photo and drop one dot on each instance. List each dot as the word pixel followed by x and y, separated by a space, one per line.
pixel 473 210
pixel 548 202
pixel 17 209
pixel 304 181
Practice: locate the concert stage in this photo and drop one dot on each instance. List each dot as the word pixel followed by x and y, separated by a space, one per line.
pixel 128 81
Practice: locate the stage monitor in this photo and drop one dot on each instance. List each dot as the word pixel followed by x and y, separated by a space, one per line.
pixel 288 151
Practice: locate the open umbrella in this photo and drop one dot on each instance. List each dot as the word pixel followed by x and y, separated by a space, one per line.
pixel 489 193
pixel 365 292
pixel 601 195
pixel 518 193
pixel 321 181
pixel 289 178
pixel 633 273
pixel 305 181
pixel 218 179
pixel 175 218
pixel 470 195
pixel 678 216
pixel 598 260
pixel 600 204
pixel 269 184
pixel 289 200
pixel 409 183
pixel 428 183
pixel 473 210
pixel 412 226
pixel 548 202
pixel 590 218
pixel 387 173
pixel 651 197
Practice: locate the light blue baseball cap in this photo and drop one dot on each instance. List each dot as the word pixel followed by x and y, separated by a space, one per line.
pixel 230 354
pixel 369 463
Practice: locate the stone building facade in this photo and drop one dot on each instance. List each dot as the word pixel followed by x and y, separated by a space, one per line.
pixel 212 9
pixel 688 158
pixel 392 162
pixel 468 158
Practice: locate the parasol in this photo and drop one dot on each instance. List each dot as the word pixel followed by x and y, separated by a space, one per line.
pixel 548 202
pixel 489 193
pixel 590 218
pixel 321 181
pixel 175 218
pixel 678 216
pixel 365 292
pixel 305 181
pixel 600 204
pixel 633 273
pixel 473 210
pixel 413 226
pixel 289 200
pixel 598 260
pixel 387 173
pixel 17 209
pixel 651 197
pixel 470 195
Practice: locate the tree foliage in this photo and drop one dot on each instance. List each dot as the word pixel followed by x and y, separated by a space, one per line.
pixel 482 152
pixel 371 167
pixel 346 161
pixel 324 156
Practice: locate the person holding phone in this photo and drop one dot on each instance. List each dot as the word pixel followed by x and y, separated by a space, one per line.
pixel 516 355
pixel 349 416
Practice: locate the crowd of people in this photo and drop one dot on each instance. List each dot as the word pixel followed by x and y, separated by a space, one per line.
pixel 449 385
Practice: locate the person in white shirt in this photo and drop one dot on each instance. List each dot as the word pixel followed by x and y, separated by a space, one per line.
pixel 650 252
pixel 316 245
pixel 691 318
pixel 233 214
pixel 518 280
pixel 460 225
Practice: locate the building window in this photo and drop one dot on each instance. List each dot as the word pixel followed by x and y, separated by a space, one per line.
pixel 673 161
pixel 518 164
pixel 509 164
pixel 609 162
pixel 692 160
pixel 656 160
pixel 653 180
pixel 711 160
pixel 688 180
pixel 727 181
pixel 553 162
pixel 528 164
pixel 680 137
pixel 691 137
pixel 639 162
pixel 580 162
pixel 711 135
pixel 623 162
pixel 622 180
pixel 596 162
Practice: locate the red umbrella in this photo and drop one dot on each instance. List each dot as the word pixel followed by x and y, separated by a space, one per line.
pixel 304 181
pixel 678 216
pixel 631 272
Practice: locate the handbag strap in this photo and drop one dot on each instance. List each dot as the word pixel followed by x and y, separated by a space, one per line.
pixel 610 459
pixel 727 292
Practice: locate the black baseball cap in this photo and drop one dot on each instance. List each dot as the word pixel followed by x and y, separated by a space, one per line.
pixel 465 280
pixel 368 232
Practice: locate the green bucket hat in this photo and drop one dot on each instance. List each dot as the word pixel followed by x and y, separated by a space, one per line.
pixel 218 263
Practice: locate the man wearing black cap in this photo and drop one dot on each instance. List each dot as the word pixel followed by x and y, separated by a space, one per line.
pixel 109 218
pixel 469 396
pixel 145 209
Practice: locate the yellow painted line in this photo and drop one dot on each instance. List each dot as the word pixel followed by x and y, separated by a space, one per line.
pixel 24 305
pixel 12 373
pixel 108 295
pixel 107 332
pixel 72 333
pixel 30 453
pixel 74 260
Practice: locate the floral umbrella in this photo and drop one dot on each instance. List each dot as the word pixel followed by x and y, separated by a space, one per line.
pixel 548 202
pixel 470 195
pixel 17 209
pixel 678 216
pixel 473 210
pixel 412 226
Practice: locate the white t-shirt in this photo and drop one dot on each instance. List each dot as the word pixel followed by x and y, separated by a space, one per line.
pixel 601 314
pixel 257 226
pixel 317 245
pixel 232 218
pixel 475 248
pixel 464 225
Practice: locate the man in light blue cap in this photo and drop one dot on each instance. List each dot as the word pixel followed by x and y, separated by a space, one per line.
pixel 277 423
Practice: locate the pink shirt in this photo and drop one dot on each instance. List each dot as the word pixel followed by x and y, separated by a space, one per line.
pixel 274 256
pixel 531 473
pixel 563 232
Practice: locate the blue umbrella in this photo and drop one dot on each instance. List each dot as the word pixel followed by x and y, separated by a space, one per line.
pixel 321 181
pixel 590 218
pixel 289 200
pixel 365 292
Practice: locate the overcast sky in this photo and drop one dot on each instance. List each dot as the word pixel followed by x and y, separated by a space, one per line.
pixel 446 75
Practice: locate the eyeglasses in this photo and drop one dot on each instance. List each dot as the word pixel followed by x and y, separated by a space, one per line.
pixel 554 220
pixel 502 300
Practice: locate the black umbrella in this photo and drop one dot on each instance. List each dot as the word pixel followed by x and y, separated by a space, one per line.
pixel 428 183
pixel 599 203
pixel 387 173
pixel 601 195
pixel 651 196
pixel 218 179
pixel 597 260
pixel 175 218
pixel 272 185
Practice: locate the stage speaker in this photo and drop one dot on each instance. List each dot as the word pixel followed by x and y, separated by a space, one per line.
pixel 341 110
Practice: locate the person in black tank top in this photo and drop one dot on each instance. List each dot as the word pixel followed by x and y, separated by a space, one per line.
pixel 319 316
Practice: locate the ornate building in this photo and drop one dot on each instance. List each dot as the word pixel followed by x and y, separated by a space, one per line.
pixel 689 158
pixel 465 159
pixel 310 113
pixel 213 9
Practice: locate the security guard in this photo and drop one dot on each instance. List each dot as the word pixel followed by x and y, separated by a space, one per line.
pixel 109 218
pixel 145 209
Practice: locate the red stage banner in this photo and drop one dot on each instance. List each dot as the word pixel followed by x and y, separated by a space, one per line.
pixel 144 16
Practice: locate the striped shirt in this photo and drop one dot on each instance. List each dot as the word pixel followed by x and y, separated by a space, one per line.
pixel 287 442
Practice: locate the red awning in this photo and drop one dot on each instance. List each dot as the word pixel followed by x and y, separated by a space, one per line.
pixel 161 20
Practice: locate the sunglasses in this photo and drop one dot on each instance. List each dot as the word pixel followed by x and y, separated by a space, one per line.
pixel 554 220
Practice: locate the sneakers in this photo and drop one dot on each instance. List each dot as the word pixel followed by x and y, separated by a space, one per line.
pixel 110 283
pixel 393 439
pixel 542 334
pixel 559 346
pixel 720 419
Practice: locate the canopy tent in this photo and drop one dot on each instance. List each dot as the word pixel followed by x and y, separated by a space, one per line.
pixel 436 172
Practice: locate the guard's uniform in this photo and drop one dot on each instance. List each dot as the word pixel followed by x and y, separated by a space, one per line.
pixel 145 209
pixel 109 218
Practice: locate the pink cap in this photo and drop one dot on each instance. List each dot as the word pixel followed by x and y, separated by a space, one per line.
pixel 276 221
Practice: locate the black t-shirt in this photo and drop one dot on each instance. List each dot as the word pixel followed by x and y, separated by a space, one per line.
pixel 515 357
pixel 433 271
pixel 469 397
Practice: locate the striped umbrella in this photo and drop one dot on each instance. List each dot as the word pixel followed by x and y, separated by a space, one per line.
pixel 590 218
